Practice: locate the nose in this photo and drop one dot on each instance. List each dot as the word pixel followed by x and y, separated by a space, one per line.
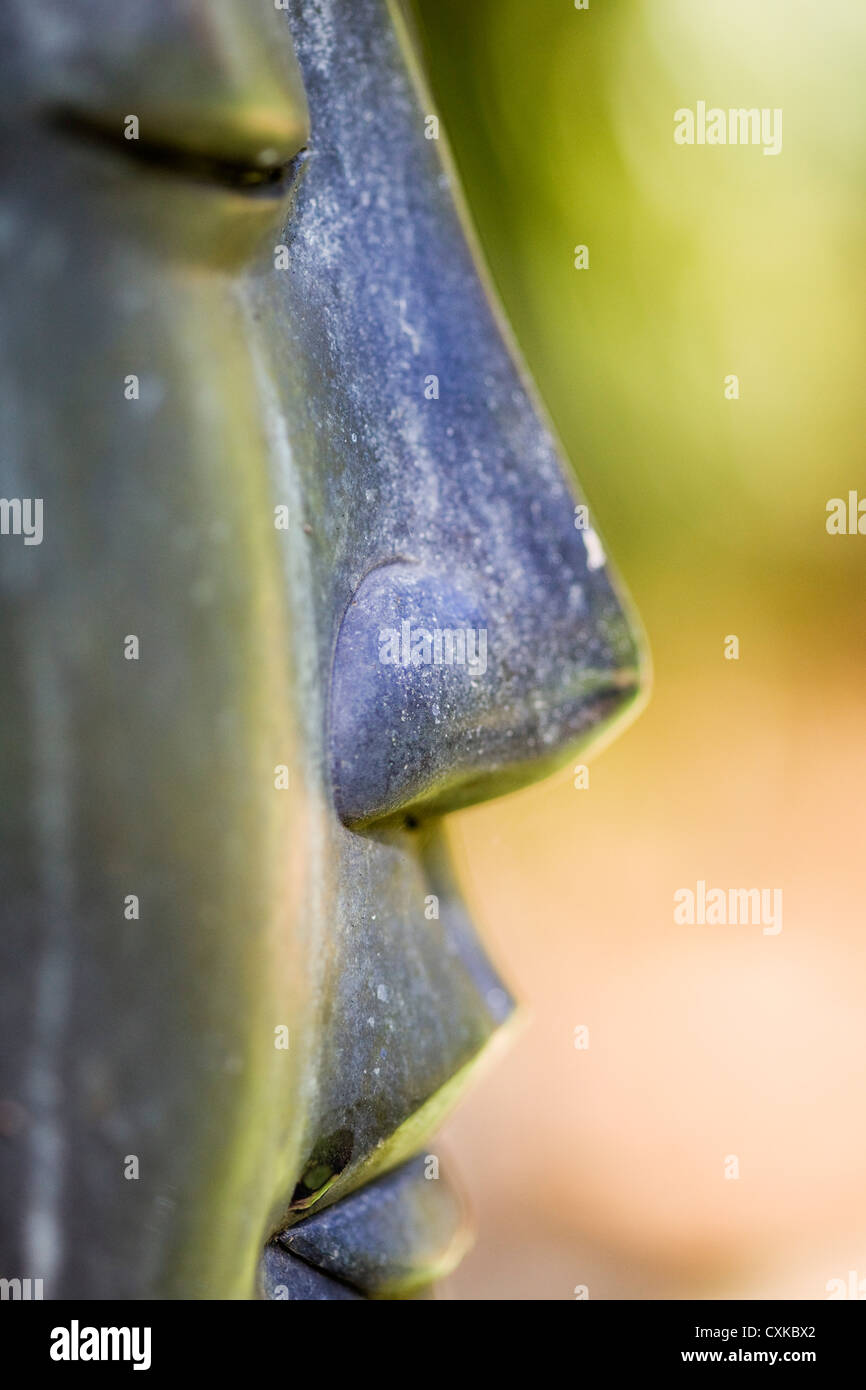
pixel 459 676
pixel 480 638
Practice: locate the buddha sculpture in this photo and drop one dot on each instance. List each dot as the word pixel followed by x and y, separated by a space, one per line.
pixel 312 574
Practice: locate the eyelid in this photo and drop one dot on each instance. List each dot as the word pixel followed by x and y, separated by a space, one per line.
pixel 214 80
pixel 266 174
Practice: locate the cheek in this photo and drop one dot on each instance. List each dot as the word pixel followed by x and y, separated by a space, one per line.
pixel 156 780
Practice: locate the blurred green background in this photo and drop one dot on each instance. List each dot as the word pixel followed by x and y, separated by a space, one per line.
pixel 605 1167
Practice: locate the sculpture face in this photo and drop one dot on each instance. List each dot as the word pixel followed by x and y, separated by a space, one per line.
pixel 299 531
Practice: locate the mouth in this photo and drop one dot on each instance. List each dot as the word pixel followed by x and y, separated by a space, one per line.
pixel 393 1238
pixel 373 1213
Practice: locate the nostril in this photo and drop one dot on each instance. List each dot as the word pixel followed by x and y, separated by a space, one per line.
pixel 440 698
pixel 327 1161
pixel 411 678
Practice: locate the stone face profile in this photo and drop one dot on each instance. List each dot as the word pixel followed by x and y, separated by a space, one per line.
pixel 231 1019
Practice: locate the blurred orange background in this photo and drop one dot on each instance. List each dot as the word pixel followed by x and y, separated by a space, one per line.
pixel 605 1166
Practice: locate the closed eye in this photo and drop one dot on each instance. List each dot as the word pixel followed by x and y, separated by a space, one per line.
pixel 268 173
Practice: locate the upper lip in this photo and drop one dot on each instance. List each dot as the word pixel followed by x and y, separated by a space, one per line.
pixel 429 1037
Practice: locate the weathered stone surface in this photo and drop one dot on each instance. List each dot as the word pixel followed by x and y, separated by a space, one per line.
pixel 282 330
